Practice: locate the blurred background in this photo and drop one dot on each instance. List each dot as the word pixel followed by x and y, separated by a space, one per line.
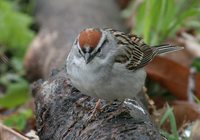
pixel 173 82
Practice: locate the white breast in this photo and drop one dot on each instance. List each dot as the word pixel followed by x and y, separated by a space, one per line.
pixel 105 82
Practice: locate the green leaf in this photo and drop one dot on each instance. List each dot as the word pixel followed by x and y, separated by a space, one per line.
pixel 196 64
pixel 14 26
pixel 140 19
pixel 169 114
pixel 17 64
pixel 169 15
pixel 158 20
pixel 18 121
pixel 17 91
pixel 147 21
pixel 169 136
pixel 165 116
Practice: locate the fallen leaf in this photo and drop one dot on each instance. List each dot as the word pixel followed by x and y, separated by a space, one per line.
pixel 7 133
pixel 170 75
pixel 185 112
pixel 197 85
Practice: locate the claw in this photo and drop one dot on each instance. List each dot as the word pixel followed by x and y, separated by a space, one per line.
pixel 96 109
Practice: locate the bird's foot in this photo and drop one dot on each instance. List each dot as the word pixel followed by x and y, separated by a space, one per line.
pixel 96 109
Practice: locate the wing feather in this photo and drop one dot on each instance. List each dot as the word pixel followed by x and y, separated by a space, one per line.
pixel 134 53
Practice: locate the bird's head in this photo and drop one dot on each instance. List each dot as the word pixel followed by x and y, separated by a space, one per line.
pixel 90 43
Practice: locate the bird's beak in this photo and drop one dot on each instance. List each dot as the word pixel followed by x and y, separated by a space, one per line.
pixel 87 57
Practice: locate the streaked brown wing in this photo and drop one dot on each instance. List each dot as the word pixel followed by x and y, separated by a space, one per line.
pixel 130 55
pixel 134 53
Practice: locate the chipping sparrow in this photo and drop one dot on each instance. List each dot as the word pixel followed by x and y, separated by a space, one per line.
pixel 109 64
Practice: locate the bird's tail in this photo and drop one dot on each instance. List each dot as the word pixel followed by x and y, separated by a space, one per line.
pixel 166 48
pixel 151 52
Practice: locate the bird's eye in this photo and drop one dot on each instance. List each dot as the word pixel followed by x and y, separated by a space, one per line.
pixel 99 50
pixel 79 51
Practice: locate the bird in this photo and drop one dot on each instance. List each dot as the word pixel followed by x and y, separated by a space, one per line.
pixel 109 64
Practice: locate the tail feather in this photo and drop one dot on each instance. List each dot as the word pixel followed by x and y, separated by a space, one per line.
pixel 166 48
pixel 151 52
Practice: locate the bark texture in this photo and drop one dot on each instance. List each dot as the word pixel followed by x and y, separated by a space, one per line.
pixel 62 113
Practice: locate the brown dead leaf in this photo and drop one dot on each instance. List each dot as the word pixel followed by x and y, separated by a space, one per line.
pixel 170 75
pixel 185 112
pixel 197 85
pixel 173 76
pixel 7 133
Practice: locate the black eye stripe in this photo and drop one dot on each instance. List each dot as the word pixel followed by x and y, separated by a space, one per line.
pixel 79 51
pixel 99 50
pixel 105 41
pixel 84 50
pixel 90 50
